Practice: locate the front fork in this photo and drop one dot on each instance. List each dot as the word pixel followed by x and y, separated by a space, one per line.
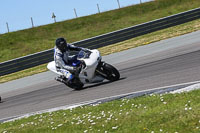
pixel 99 69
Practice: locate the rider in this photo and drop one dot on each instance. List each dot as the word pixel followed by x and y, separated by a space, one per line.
pixel 63 60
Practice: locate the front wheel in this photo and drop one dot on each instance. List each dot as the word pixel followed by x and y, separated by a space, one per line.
pixel 109 72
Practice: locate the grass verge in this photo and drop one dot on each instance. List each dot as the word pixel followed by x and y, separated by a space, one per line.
pixel 24 42
pixel 172 113
pixel 135 42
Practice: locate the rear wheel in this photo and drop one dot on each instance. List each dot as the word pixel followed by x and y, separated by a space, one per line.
pixel 75 84
pixel 109 72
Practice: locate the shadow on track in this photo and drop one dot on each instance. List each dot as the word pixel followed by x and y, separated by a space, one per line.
pixel 99 84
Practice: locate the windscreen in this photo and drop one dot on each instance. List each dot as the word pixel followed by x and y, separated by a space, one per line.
pixel 83 54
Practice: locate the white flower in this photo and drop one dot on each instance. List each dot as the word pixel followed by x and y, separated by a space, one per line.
pixel 189 101
pixel 93 123
pixel 164 102
pixel 116 119
pixel 152 131
pixel 161 130
pixel 22 125
pixel 186 105
pixel 190 108
pixel 106 131
pixel 60 125
pixel 102 112
pixel 52 122
pixel 199 121
pixel 85 131
pixel 115 127
pixel 98 118
pixel 186 108
pixel 4 131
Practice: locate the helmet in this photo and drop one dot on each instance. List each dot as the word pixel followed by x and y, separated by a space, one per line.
pixel 61 44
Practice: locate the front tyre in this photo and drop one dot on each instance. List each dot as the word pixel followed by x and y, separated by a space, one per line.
pixel 111 72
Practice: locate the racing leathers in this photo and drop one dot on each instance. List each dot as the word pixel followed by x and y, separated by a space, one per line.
pixel 63 60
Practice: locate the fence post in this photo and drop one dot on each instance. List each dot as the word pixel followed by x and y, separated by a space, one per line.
pixel 98 8
pixel 54 17
pixel 7 27
pixel 118 3
pixel 32 22
pixel 75 13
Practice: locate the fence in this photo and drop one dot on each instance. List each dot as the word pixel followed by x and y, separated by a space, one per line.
pixel 75 14
pixel 102 40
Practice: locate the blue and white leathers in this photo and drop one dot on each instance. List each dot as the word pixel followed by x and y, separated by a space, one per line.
pixel 62 60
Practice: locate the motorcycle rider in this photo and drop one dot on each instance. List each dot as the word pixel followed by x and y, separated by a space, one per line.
pixel 63 60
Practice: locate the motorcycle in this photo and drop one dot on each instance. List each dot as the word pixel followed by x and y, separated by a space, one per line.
pixel 91 69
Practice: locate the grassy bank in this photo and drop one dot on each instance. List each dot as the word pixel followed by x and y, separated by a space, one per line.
pixel 135 42
pixel 170 113
pixel 20 43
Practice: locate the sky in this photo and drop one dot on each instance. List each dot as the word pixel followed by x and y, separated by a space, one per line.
pixel 18 13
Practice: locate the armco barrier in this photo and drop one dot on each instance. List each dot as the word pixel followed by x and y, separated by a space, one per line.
pixel 102 40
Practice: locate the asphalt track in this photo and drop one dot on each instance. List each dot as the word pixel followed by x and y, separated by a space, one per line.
pixel 173 61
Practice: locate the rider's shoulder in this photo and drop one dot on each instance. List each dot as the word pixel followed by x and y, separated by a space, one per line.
pixel 57 52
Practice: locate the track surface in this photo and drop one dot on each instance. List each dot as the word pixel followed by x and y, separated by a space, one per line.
pixel 161 68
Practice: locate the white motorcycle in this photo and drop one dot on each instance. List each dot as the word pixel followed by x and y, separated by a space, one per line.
pixel 91 70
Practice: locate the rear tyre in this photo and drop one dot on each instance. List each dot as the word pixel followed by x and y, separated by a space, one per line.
pixel 76 84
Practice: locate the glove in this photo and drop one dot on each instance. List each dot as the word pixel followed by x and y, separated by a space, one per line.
pixel 77 69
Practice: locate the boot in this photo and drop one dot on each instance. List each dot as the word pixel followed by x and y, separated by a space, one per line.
pixel 60 79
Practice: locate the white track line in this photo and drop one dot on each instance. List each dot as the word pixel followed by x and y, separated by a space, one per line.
pixel 195 84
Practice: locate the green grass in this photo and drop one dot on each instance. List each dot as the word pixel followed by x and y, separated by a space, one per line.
pixel 167 113
pixel 20 43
